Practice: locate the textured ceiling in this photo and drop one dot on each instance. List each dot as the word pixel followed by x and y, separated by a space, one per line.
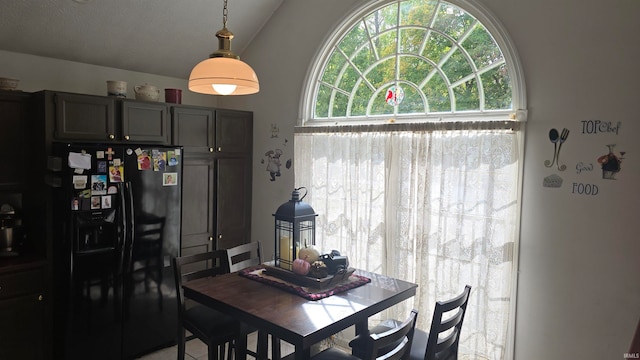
pixel 163 37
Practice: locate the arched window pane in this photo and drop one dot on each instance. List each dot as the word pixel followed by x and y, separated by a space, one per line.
pixel 481 47
pixel 412 102
pixel 457 67
pixel 497 88
pixel 364 58
pixel 452 21
pixel 340 105
pixel 467 97
pixel 414 69
pixel 349 78
pixel 437 93
pixel 353 39
pixel 360 101
pixel 322 101
pixel 330 73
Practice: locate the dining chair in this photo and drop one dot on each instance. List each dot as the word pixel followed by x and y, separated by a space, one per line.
pixel 392 344
pixel 443 338
pixel 242 257
pixel 214 328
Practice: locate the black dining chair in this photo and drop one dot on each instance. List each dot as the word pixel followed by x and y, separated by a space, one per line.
pixel 242 257
pixel 214 328
pixel 443 338
pixel 392 344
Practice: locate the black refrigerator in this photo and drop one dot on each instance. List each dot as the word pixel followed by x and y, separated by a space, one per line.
pixel 116 220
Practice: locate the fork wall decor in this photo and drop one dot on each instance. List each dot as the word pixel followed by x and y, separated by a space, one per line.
pixel 557 140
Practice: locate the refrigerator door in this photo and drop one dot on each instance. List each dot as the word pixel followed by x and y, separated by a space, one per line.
pixel 150 307
pixel 87 262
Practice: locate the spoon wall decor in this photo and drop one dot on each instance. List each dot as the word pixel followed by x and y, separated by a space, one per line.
pixel 553 137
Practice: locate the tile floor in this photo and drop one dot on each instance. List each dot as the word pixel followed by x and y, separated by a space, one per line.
pixel 197 350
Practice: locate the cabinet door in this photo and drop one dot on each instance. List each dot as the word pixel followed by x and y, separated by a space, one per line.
pixel 13 117
pixel 234 131
pixel 197 204
pixel 22 329
pixel 145 122
pixel 84 117
pixel 233 202
pixel 193 129
pixel 22 310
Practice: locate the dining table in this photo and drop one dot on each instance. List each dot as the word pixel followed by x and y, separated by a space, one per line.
pixel 296 319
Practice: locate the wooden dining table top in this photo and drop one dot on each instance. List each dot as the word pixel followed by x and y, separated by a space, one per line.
pixel 293 318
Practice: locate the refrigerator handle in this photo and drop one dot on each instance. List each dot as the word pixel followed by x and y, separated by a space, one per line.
pixel 123 226
pixel 130 228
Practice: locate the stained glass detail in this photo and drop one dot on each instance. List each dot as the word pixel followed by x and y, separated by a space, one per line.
pixel 394 95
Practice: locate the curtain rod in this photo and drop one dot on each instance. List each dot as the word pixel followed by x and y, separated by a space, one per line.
pixel 426 126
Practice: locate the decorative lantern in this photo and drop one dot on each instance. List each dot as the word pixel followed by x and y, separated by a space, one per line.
pixel 295 227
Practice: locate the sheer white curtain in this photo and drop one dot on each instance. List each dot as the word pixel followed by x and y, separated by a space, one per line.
pixel 438 208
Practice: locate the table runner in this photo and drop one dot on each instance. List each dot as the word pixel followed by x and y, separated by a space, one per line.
pixel 309 293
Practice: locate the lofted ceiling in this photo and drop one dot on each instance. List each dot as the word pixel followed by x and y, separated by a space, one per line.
pixel 163 37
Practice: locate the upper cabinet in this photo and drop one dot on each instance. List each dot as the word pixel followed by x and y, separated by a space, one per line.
pixel 234 131
pixel 84 117
pixel 193 128
pixel 13 119
pixel 215 131
pixel 146 122
pixel 105 119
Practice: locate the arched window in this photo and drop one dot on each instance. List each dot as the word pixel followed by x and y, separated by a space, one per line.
pixel 410 144
pixel 415 58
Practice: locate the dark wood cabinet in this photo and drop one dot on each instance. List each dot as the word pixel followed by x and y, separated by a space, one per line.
pixel 194 128
pixel 23 310
pixel 198 197
pixel 233 202
pixel 105 119
pixel 84 117
pixel 25 316
pixel 216 210
pixel 145 122
pixel 13 122
pixel 234 132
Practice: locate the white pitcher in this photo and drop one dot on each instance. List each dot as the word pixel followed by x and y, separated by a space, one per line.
pixel 147 92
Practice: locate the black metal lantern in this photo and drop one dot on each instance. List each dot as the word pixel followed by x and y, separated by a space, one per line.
pixel 295 227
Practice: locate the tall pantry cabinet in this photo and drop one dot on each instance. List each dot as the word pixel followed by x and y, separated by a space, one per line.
pixel 216 211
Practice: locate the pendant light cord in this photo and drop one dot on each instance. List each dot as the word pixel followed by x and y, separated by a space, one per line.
pixel 224 15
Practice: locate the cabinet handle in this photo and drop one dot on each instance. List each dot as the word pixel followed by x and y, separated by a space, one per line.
pixel 219 236
pixel 210 238
pixel 111 136
pixel 40 297
pixel 126 137
pixel 219 149
pixel 210 149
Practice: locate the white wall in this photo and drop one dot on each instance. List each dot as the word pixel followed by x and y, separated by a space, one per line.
pixel 579 285
pixel 39 73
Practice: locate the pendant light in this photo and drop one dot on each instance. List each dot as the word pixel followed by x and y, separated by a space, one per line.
pixel 223 73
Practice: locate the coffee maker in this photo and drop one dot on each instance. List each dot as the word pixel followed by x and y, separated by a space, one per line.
pixel 9 229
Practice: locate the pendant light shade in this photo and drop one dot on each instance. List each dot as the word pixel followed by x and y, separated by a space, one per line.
pixel 223 73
